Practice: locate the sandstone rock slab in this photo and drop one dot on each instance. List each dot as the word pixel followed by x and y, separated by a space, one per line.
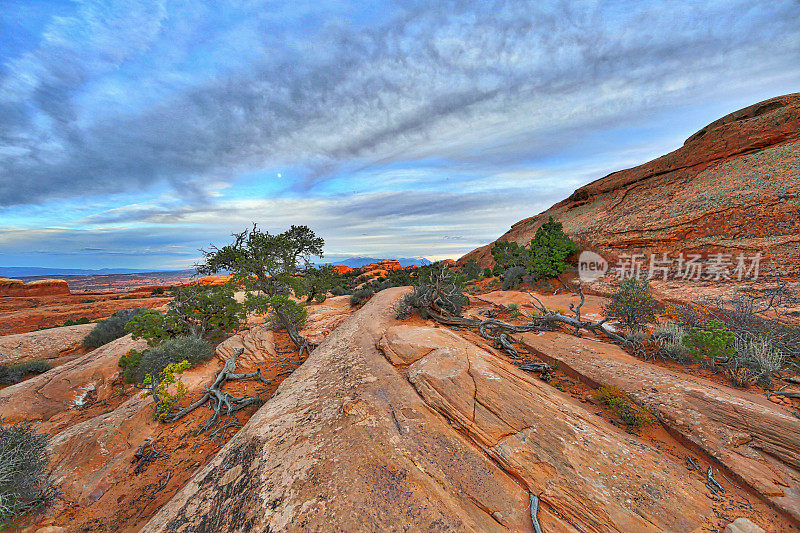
pixel 346 444
pixel 44 344
pixel 755 439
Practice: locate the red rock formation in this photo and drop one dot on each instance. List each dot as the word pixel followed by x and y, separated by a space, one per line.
pixel 342 269
pixel 386 264
pixel 42 287
pixel 211 280
pixel 733 187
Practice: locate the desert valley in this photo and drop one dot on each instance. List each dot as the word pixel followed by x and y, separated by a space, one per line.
pixel 510 390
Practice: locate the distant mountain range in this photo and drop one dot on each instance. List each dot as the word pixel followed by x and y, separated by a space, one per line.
pixel 13 272
pixel 355 262
pixel 45 271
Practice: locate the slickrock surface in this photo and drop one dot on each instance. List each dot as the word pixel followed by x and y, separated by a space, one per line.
pixel 93 456
pixel 346 444
pixel 597 477
pixel 391 426
pixel 754 438
pixel 96 454
pixel 45 344
pixel 54 395
pixel 732 187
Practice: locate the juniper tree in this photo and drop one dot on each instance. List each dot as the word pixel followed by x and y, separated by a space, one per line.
pixel 267 263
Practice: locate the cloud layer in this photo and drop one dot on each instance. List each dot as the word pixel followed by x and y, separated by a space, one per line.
pixel 116 97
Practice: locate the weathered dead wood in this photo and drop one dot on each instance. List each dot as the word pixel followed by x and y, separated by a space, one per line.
pixel 535 513
pixel 222 402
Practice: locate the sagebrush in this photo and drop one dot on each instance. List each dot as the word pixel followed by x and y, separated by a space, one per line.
pixel 112 328
pixel 25 484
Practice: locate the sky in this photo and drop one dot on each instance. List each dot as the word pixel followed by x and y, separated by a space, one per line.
pixel 133 133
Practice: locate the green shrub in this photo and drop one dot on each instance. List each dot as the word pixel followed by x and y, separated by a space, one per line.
pixel 545 256
pixel 715 340
pixel 549 250
pixel 154 360
pixel 361 296
pixel 25 485
pixel 207 311
pixel 112 328
pixel 11 374
pixel 487 272
pixel 512 278
pixel 340 290
pixel 78 321
pixel 629 412
pixel 295 312
pixel 157 291
pixel 632 304
pixel 471 270
pixel 129 362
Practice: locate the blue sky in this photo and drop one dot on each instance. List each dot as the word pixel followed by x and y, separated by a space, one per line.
pixel 134 132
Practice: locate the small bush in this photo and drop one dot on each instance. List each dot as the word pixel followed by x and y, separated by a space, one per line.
pixel 759 354
pixel 10 374
pixel 487 272
pixel 360 296
pixel 512 278
pixel 110 329
pixel 153 361
pixel 439 291
pixel 549 250
pixel 77 321
pixel 471 270
pixel 633 304
pixel 157 291
pixel 24 482
pixel 296 313
pixel 629 412
pixel 741 377
pixel 712 342
pixel 670 332
pixel 129 362
pixel 339 290
pixel 171 375
pixel 671 335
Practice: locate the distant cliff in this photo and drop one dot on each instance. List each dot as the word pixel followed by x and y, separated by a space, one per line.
pixel 43 287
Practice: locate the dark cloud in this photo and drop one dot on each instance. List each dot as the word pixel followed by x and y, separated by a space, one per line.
pixel 121 96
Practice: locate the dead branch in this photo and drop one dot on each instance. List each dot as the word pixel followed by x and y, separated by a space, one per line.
pixel 535 513
pixel 788 394
pixel 712 483
pixel 222 403
pixel 577 310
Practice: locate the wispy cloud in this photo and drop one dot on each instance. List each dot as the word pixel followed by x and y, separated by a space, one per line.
pixel 118 97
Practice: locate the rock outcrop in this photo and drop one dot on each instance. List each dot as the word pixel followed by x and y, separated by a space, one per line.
pixel 392 426
pixel 43 287
pixel 733 187
pixel 53 397
pixel 755 439
pixel 51 343
pixel 346 444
